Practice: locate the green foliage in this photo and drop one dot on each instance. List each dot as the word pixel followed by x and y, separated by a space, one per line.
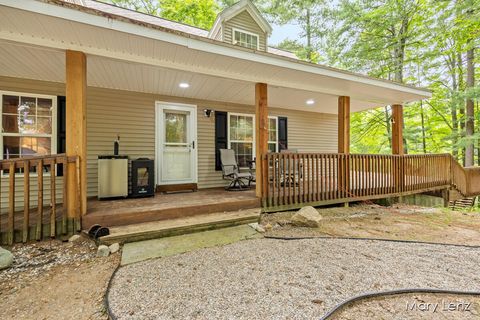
pixel 199 13
pixel 307 14
pixel 146 6
pixel 300 50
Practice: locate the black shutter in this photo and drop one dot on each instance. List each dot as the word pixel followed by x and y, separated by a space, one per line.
pixel 282 134
pixel 221 138
pixel 61 110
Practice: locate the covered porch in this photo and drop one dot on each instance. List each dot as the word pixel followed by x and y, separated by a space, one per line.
pixel 114 73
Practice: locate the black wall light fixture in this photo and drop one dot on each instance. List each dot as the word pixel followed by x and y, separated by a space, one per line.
pixel 208 112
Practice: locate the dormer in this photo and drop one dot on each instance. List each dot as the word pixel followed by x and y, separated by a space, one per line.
pixel 242 25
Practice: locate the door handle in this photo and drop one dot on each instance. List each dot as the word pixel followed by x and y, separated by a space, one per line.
pixel 193 144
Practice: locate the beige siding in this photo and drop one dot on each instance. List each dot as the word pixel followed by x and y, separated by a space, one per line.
pixel 132 116
pixel 244 21
pixel 111 112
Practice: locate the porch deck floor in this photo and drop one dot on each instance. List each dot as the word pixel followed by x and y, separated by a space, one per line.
pixel 167 206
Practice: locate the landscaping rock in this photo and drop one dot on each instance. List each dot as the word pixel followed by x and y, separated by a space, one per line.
pixel 74 238
pixel 307 217
pixel 103 251
pixel 114 247
pixel 257 227
pixel 6 258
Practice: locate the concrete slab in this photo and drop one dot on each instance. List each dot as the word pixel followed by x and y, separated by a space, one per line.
pixel 138 251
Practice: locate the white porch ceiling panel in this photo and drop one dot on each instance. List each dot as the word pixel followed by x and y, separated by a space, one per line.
pixel 38 63
pixel 155 61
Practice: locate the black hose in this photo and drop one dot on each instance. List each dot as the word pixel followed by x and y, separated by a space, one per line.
pixel 110 314
pixel 372 239
pixel 394 292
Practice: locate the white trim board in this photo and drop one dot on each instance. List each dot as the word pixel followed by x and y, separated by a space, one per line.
pixel 234 29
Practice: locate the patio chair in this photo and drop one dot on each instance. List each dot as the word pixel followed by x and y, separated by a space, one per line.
pixel 238 180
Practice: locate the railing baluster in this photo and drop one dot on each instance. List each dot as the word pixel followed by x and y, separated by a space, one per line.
pixel 308 177
pixel 53 190
pixel 65 196
pixel 26 200
pixel 38 229
pixel 11 204
pixel 295 174
pixel 290 178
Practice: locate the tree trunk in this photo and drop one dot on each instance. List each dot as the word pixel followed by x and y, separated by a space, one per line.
pixel 454 108
pixel 461 86
pixel 424 139
pixel 478 143
pixel 308 31
pixel 399 63
pixel 470 111
pixel 389 128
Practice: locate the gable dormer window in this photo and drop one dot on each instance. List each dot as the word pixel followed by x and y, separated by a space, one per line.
pixel 245 39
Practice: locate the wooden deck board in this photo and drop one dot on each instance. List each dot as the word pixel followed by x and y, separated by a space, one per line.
pixel 167 206
pixel 157 229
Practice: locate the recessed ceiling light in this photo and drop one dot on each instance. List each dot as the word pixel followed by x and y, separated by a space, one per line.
pixel 310 102
pixel 184 85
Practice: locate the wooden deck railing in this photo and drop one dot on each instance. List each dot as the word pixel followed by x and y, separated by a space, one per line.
pixel 46 219
pixel 466 180
pixel 296 179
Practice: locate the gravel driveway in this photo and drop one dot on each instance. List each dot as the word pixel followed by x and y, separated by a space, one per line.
pixel 277 279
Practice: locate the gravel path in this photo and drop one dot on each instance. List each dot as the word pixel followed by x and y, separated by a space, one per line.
pixel 276 279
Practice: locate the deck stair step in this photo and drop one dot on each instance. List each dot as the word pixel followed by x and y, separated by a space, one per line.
pixel 173 227
pixel 465 203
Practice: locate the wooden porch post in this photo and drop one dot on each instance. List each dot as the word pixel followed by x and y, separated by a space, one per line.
pixel 76 128
pixel 397 147
pixel 397 129
pixel 261 131
pixel 344 145
pixel 343 124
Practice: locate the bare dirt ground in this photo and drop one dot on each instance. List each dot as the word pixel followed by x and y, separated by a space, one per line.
pixel 56 280
pixel 399 222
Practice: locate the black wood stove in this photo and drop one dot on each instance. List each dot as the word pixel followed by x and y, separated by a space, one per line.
pixel 142 178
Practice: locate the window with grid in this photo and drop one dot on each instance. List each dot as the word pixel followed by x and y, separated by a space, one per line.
pixel 241 137
pixel 245 39
pixel 272 134
pixel 28 125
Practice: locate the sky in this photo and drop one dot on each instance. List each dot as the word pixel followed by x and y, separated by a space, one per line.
pixel 281 33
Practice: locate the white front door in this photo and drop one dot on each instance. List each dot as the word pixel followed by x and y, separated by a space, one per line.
pixel 176 136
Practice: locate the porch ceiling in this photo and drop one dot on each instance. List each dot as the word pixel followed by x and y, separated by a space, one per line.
pixel 25 61
pixel 156 61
